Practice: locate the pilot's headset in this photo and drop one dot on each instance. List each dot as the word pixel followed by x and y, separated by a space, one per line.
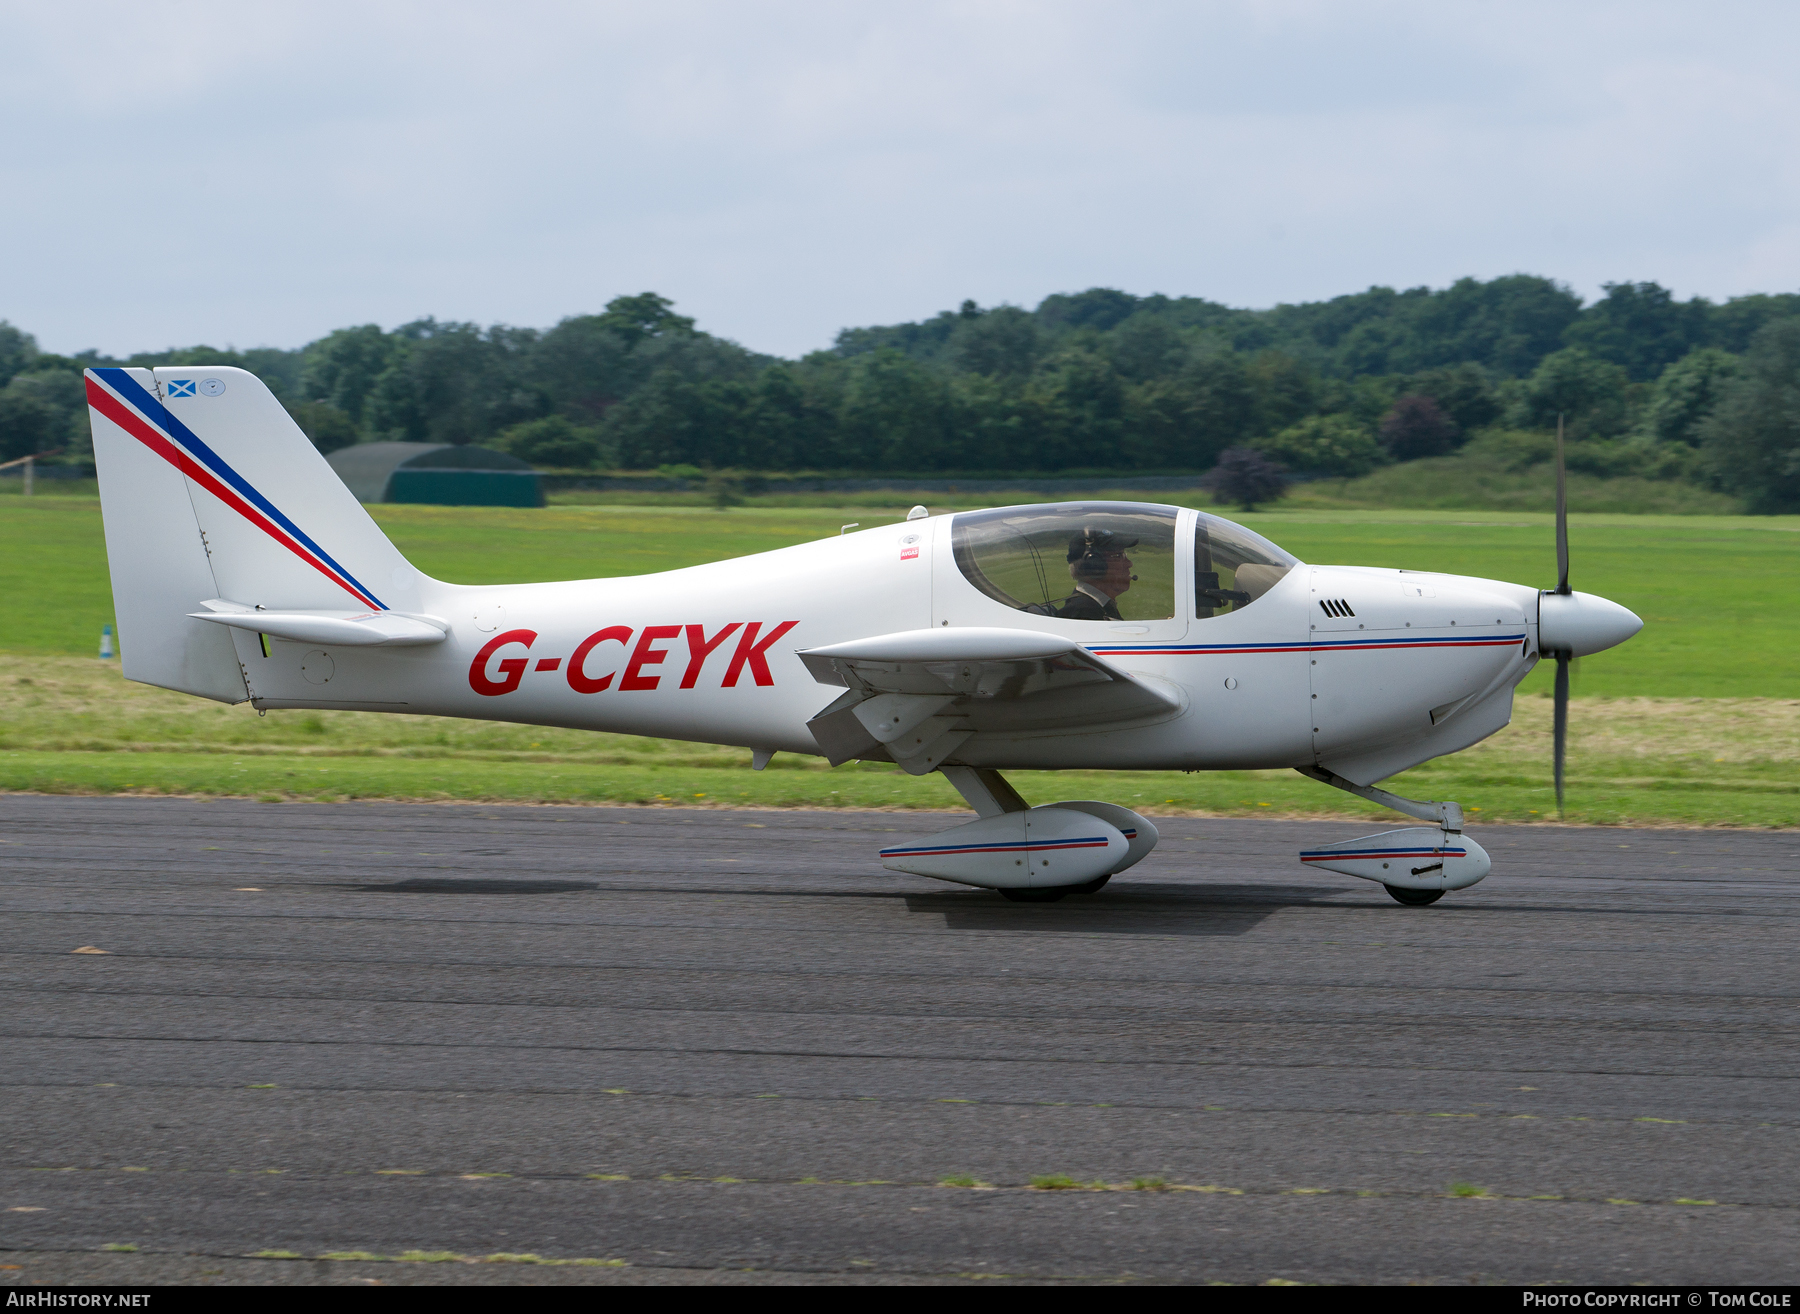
pixel 1089 549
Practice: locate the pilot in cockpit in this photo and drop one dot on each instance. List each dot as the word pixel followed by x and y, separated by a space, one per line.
pixel 1101 571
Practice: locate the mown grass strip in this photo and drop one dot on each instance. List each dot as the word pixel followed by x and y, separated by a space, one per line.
pixel 277 778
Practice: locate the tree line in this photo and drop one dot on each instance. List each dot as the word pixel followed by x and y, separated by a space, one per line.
pixel 1100 381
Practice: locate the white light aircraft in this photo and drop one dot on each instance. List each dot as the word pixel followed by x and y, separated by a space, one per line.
pixel 1091 635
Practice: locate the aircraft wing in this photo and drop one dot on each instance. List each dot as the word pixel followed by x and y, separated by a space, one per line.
pixel 917 695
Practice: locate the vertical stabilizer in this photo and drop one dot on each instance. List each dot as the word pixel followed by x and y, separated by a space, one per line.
pixel 210 490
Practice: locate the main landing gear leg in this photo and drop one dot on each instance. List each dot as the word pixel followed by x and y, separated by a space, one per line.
pixel 985 790
pixel 1417 865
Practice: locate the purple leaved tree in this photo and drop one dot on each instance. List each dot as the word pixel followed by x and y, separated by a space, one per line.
pixel 1244 477
pixel 1417 426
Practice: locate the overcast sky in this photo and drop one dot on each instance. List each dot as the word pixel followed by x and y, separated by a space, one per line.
pixel 260 174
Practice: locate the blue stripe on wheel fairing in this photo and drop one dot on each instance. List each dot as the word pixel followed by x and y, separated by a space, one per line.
pixel 1320 855
pixel 995 846
pixel 133 392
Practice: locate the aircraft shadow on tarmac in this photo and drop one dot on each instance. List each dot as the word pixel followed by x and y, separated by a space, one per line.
pixel 1162 909
pixel 471 885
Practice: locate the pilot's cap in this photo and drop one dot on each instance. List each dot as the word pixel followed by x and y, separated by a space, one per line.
pixel 1094 541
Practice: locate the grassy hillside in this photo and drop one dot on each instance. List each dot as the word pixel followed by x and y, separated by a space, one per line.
pixel 1473 481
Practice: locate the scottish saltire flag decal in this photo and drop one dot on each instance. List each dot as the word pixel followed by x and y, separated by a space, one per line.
pixel 125 402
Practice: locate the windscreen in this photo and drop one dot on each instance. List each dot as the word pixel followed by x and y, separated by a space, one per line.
pixel 1233 567
pixel 1095 561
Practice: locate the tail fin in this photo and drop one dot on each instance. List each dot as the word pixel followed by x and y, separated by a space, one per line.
pixel 209 490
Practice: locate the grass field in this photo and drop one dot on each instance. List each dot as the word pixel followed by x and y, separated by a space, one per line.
pixel 1694 721
pixel 1717 593
pixel 74 725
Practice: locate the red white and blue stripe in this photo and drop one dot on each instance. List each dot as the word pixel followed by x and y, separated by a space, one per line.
pixel 1339 855
pixel 127 404
pixel 1311 645
pixel 1008 846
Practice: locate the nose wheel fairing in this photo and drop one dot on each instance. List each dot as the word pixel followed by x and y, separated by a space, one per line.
pixel 1416 858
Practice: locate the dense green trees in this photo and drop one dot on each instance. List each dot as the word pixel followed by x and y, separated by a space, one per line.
pixel 1573 382
pixel 1333 445
pixel 1641 328
pixel 27 423
pixel 1686 393
pixel 1752 439
pixel 1094 380
pixel 552 441
pixel 43 401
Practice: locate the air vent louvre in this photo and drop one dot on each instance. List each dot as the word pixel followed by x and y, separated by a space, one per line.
pixel 1336 608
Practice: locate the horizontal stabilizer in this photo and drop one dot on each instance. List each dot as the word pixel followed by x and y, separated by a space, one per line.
pixel 347 629
pixel 1417 858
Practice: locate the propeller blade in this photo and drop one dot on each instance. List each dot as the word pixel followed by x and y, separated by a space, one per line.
pixel 1562 515
pixel 1561 732
pixel 1560 750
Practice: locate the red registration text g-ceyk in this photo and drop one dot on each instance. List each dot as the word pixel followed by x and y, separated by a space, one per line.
pixel 620 658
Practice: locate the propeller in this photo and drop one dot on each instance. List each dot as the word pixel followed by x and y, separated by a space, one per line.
pixel 1561 730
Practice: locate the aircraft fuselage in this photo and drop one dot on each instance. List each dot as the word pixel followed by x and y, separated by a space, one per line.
pixel 1370 670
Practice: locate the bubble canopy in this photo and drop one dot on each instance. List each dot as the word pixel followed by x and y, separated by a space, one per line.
pixel 1112 561
pixel 1233 566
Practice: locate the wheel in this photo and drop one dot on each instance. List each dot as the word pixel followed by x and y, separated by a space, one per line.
pixel 1049 895
pixel 1413 898
pixel 1092 887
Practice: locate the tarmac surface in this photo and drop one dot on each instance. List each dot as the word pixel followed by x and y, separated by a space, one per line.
pixel 725 1046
